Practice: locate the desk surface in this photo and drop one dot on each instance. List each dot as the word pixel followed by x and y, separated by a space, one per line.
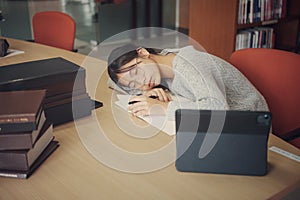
pixel 71 172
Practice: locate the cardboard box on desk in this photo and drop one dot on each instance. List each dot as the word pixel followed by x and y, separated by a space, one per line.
pixel 61 78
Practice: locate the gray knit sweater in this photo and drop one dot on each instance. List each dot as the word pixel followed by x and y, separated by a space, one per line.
pixel 210 83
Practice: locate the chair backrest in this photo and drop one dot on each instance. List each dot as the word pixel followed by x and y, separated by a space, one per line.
pixel 276 74
pixel 55 29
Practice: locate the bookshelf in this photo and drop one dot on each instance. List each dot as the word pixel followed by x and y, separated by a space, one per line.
pixel 214 24
pixel 288 28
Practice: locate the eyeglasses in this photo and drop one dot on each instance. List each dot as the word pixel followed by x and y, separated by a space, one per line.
pixel 129 67
pixel 134 74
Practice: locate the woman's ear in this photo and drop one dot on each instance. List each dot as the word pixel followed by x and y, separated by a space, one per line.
pixel 142 52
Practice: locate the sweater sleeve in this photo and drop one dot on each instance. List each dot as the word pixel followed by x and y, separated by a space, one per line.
pixel 203 103
pixel 198 80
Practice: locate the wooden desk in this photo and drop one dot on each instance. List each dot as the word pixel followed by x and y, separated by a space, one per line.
pixel 71 172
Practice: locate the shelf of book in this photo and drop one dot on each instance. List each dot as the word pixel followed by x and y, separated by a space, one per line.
pixel 256 24
pixel 257 21
pixel 215 24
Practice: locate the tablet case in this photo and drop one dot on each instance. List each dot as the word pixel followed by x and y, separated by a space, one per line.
pixel 222 142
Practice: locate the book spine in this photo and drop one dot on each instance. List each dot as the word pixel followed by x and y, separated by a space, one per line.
pixel 17 127
pixel 30 125
pixel 15 141
pixel 14 119
pixel 250 14
pixel 13 175
pixel 54 84
pixel 63 96
pixel 13 161
pixel 73 110
pixel 66 100
pixel 21 140
pixel 26 174
pixel 23 159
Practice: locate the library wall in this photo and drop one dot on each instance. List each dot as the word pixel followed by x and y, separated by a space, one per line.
pixel 212 25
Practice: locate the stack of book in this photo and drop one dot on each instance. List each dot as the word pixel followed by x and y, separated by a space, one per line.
pixel 66 97
pixel 26 136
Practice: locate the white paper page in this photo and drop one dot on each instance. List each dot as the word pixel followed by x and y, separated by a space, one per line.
pixel 159 121
pixel 12 52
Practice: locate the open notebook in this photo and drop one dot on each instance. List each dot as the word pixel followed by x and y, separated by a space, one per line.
pixel 159 121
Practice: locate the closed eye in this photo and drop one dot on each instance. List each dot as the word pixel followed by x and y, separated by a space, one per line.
pixel 134 69
pixel 133 72
pixel 131 84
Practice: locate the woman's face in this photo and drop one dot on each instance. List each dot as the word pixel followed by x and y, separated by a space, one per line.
pixel 142 74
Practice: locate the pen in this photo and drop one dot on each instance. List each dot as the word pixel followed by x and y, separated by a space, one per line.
pixel 132 102
pixel 151 96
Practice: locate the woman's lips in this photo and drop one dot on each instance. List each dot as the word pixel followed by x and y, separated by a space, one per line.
pixel 151 82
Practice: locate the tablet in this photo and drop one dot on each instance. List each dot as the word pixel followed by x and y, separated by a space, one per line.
pixel 223 142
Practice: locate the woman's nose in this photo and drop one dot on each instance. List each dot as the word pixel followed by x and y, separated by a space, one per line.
pixel 140 80
pixel 140 76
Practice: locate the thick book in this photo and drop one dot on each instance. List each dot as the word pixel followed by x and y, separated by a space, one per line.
pixel 24 174
pixel 58 97
pixel 66 99
pixel 23 159
pixel 67 107
pixel 68 111
pixel 21 140
pixel 57 75
pixel 20 110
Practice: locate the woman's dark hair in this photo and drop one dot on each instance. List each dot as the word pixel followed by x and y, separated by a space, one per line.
pixel 121 56
pixel 114 66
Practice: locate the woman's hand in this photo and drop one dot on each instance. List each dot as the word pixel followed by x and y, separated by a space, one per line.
pixel 144 105
pixel 158 93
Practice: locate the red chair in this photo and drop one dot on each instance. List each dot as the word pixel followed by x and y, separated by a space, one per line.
pixel 55 29
pixel 276 74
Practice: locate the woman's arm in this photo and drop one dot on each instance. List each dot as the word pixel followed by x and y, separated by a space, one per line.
pixel 158 93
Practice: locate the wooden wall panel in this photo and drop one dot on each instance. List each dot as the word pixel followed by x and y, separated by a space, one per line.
pixel 213 25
